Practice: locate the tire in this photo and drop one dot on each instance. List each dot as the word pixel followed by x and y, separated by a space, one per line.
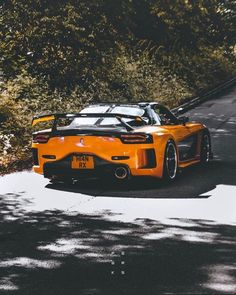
pixel 205 153
pixel 170 167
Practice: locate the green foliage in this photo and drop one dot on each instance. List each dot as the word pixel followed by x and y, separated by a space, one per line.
pixel 56 56
pixel 20 99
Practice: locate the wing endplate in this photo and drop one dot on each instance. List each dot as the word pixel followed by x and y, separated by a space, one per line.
pixel 36 120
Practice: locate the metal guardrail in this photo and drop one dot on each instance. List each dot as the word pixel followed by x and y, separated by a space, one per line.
pixel 201 98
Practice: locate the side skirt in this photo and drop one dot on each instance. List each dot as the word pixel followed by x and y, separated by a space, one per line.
pixel 188 163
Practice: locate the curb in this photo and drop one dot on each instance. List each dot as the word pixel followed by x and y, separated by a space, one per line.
pixel 201 98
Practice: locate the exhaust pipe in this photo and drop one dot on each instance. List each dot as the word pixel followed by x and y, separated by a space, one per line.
pixel 121 173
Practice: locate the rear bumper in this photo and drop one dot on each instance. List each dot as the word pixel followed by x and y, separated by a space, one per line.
pixel 102 167
pixel 54 157
pixel 62 168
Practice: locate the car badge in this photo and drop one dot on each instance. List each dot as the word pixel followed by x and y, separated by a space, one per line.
pixel 81 141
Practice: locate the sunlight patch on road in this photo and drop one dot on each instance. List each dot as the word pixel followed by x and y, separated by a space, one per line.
pixel 221 278
pixel 65 246
pixel 183 235
pixel 32 196
pixel 6 284
pixel 83 249
pixel 117 232
pixel 220 208
pixel 29 190
pixel 27 262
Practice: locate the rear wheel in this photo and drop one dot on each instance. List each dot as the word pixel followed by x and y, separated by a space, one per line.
pixel 170 161
pixel 205 153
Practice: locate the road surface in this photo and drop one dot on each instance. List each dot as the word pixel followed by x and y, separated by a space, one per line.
pixel 141 238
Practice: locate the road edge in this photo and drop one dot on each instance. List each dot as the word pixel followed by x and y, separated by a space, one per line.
pixel 204 97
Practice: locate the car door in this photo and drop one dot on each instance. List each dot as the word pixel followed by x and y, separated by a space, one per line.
pixel 185 139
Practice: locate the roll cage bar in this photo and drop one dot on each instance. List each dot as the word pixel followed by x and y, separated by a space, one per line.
pixel 148 107
pixel 55 117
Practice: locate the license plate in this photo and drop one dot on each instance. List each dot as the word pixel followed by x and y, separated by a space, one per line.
pixel 82 162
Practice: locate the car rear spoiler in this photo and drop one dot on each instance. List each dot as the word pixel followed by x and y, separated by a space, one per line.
pixel 42 118
pixel 55 117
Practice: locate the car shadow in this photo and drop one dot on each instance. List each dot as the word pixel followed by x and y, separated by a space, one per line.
pixel 193 182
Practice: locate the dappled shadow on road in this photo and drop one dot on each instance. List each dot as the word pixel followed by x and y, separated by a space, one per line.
pixel 192 183
pixel 55 252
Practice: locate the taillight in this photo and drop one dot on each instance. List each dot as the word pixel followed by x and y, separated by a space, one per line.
pixel 136 138
pixel 40 138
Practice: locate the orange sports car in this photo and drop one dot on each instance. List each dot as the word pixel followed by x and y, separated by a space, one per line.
pixel 118 140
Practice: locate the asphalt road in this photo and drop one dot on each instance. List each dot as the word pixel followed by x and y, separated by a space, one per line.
pixel 144 237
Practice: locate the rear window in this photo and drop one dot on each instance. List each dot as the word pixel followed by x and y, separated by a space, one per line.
pixel 89 110
pixel 135 111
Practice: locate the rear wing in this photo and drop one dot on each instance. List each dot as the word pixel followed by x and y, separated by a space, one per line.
pixel 55 117
pixel 42 118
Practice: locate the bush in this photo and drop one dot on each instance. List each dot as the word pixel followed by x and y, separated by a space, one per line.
pixel 59 56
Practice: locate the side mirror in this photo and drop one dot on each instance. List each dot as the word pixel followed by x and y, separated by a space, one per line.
pixel 180 111
pixel 183 120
